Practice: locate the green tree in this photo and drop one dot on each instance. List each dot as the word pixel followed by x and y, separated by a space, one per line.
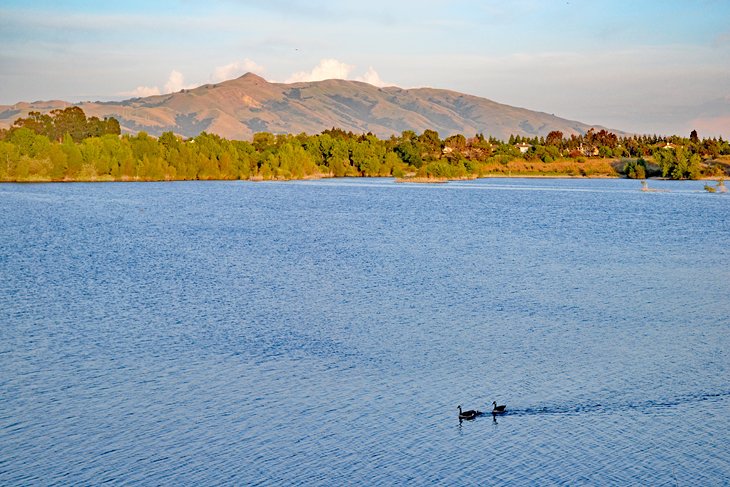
pixel 409 153
pixel 74 159
pixel 430 144
pixel 9 157
pixel 112 126
pixel 635 168
pixel 263 140
pixel 169 141
pixel 408 135
pixel 678 163
pixel 41 124
pixel 23 138
pixel 72 121
pixel 143 145
pixel 392 164
pixel 367 156
pixel 59 162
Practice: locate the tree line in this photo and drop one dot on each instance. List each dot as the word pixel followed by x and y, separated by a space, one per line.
pixel 65 145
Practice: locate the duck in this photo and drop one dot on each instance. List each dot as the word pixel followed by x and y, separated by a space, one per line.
pixel 470 414
pixel 498 409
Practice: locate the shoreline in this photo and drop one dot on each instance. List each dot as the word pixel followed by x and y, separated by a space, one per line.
pixel 406 180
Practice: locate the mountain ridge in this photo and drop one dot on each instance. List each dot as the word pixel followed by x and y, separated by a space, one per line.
pixel 238 108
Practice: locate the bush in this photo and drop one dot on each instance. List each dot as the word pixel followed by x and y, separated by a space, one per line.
pixel 635 169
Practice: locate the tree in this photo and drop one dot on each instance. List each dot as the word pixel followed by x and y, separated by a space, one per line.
pixel 338 156
pixel 392 164
pixel 143 145
pixel 367 156
pixel 169 141
pixel 408 135
pixel 112 126
pixel 74 159
pixel 635 169
pixel 554 138
pixel 456 142
pixel 430 141
pixel 94 127
pixel 263 140
pixel 41 124
pixel 23 138
pixel 9 157
pixel 678 163
pixel 72 121
pixel 59 164
pixel 409 153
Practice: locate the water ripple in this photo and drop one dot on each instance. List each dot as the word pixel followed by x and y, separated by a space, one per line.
pixel 610 408
pixel 323 333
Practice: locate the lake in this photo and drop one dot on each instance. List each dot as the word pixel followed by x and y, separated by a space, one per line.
pixel 324 333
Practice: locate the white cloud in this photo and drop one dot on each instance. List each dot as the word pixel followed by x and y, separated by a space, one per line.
pixel 371 77
pixel 175 82
pixel 326 69
pixel 142 91
pixel 235 69
pixel 334 69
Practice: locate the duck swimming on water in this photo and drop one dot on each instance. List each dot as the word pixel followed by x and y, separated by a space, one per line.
pixel 470 414
pixel 498 409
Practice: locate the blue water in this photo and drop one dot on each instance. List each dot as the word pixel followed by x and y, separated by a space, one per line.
pixel 324 333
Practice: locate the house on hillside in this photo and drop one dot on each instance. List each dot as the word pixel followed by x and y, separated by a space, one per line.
pixel 668 145
pixel 523 147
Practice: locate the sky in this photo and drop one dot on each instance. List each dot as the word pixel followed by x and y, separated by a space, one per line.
pixel 644 66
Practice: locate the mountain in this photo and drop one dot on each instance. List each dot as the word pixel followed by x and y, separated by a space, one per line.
pixel 238 108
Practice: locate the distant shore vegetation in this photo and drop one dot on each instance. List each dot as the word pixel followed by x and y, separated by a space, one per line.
pixel 65 145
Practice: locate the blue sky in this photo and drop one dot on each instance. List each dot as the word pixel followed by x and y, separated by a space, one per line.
pixel 643 66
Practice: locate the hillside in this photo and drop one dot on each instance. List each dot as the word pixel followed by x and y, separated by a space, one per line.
pixel 238 108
